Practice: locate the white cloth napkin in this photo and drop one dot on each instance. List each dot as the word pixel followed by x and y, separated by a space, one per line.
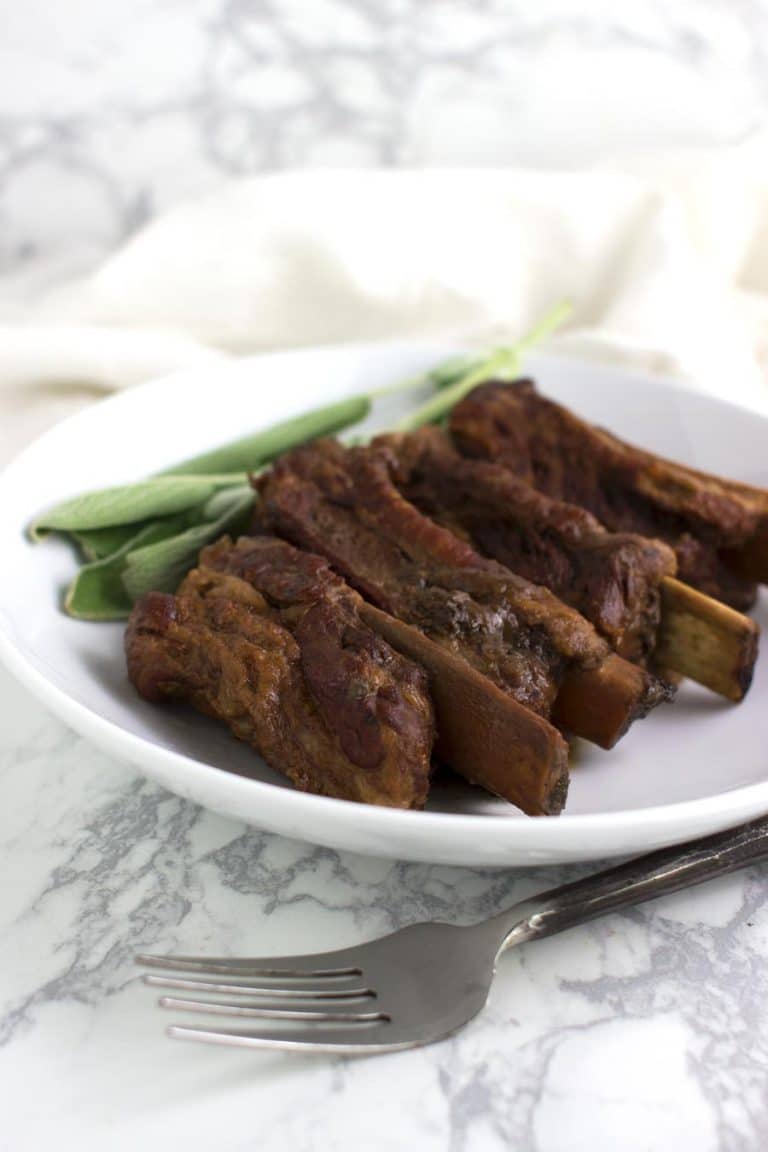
pixel 665 263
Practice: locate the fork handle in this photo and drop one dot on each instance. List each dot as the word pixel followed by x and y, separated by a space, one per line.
pixel 644 878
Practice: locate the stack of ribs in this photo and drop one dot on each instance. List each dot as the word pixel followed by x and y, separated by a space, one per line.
pixel 345 504
pixel 461 597
pixel 270 640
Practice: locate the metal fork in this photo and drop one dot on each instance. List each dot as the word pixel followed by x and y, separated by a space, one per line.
pixel 423 982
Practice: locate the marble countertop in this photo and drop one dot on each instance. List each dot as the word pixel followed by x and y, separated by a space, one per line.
pixel 110 113
pixel 644 1031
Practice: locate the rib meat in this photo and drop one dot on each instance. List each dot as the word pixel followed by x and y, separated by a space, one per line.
pixel 614 579
pixel 707 521
pixel 270 640
pixel 344 504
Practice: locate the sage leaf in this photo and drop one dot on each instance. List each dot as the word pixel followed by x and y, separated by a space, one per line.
pixel 99 543
pixel 224 501
pixel 261 447
pixel 97 591
pixel 192 482
pixel 159 567
pixel 130 503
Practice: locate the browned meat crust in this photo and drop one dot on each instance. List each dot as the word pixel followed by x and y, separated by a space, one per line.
pixel 613 579
pixel 343 503
pixel 702 518
pixel 269 640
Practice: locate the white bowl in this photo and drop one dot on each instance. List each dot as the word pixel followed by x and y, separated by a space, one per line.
pixel 694 767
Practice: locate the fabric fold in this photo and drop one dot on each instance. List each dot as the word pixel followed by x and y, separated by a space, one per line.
pixel 664 264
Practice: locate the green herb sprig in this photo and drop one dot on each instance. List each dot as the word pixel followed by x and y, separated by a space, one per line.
pixel 145 536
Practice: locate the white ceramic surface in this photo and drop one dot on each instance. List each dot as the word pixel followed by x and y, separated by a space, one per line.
pixel 688 769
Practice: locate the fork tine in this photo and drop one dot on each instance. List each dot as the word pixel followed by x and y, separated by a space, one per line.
pixel 318 964
pixel 357 1040
pixel 269 1011
pixel 314 992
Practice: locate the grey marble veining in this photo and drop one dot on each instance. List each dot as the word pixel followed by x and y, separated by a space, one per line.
pixel 111 113
pixel 650 1028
